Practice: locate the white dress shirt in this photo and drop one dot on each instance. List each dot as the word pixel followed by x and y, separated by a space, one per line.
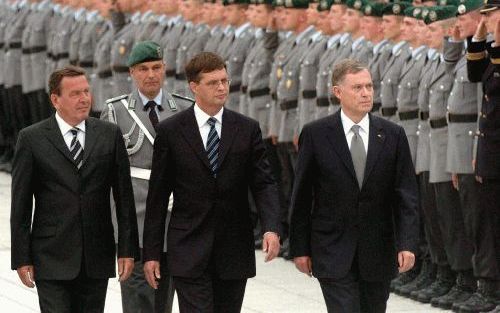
pixel 201 120
pixel 364 130
pixel 157 99
pixel 66 131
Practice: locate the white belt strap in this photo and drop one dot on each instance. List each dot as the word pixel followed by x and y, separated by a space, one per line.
pixel 139 122
pixel 140 173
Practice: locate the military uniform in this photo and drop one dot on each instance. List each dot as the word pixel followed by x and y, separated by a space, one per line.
pixel 76 35
pixel 323 78
pixel 148 23
pixel 102 81
pixel 216 37
pixel 60 54
pixel 171 42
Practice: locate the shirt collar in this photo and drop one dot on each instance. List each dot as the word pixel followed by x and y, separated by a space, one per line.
pixel 333 40
pixel 378 46
pixel 357 42
pixel 347 123
pixel 304 33
pixel 145 99
pixel 417 51
pixel 65 127
pixel 241 29
pixel 398 46
pixel 202 117
pixel 344 38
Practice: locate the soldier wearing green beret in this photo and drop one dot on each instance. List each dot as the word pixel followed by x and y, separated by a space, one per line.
pixel 483 59
pixel 214 17
pixel 137 115
pixel 361 48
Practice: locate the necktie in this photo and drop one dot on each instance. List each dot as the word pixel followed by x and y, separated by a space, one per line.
pixel 358 154
pixel 153 116
pixel 76 149
pixel 213 145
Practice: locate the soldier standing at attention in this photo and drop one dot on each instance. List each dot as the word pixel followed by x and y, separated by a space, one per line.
pixel 483 65
pixel 137 115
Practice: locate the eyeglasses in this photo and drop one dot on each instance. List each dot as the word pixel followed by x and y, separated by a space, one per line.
pixel 214 84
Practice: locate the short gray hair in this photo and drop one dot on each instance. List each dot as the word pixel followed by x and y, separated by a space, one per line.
pixel 344 67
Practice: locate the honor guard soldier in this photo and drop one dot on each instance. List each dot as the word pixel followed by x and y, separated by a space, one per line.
pixel 373 32
pixel 392 20
pixel 214 17
pixel 138 114
pixel 462 118
pixel 483 65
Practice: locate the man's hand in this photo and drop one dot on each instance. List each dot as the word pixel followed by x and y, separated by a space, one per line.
pixel 271 245
pixel 274 140
pixel 481 30
pixel 152 273
pixel 125 267
pixel 296 142
pixel 455 33
pixel 454 180
pixel 303 264
pixel 406 260
pixel 497 33
pixel 27 275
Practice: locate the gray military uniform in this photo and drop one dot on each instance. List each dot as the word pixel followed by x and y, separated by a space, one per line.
pixel 216 37
pixel 171 42
pixel 323 91
pixel 377 64
pixel 62 37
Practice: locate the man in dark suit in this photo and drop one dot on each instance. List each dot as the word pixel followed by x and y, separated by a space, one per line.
pixel 355 199
pixel 69 163
pixel 209 157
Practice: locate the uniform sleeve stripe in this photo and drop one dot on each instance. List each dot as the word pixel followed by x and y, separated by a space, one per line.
pixel 473 56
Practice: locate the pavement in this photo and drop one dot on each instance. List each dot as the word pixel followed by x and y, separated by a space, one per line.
pixel 278 286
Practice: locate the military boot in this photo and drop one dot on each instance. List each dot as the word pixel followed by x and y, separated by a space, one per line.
pixel 442 285
pixel 483 300
pixel 407 277
pixel 463 289
pixel 425 278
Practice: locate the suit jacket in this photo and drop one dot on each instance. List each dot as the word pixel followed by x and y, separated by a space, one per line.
pixel 210 219
pixel 72 219
pixel 333 219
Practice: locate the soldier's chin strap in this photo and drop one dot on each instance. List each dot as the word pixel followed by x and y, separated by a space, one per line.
pixel 138 121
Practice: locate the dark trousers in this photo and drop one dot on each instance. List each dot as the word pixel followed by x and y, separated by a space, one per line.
pixel 456 244
pixel 38 105
pixel 19 110
pixel 430 220
pixel 352 294
pixel 139 297
pixel 287 157
pixel 209 294
pixel 80 295
pixel 487 235
pixel 3 120
pixel 423 246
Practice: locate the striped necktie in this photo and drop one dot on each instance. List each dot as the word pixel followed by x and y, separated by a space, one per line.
pixel 213 145
pixel 76 149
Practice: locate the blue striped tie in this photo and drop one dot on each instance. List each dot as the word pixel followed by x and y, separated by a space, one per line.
pixel 76 149
pixel 213 145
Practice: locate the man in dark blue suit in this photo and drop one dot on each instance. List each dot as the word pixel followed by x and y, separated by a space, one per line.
pixel 354 202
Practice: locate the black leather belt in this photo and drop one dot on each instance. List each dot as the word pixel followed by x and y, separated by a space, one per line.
pixel 286 105
pixel 49 55
pixel 120 69
pixel 244 89
pixel 376 107
pixel 274 96
pixel 424 115
pixel 409 115
pixel 2 45
pixel 309 94
pixel 105 74
pixel 170 73
pixel 322 102
pixel 34 50
pixel 234 88
pixel 15 45
pixel 86 64
pixel 389 111
pixel 438 123
pixel 60 56
pixel 259 92
pixel 462 118
pixel 181 76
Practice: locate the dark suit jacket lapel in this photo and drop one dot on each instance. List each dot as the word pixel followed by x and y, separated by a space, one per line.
pixel 191 133
pixel 339 142
pixel 91 136
pixel 229 130
pixel 56 138
pixel 375 145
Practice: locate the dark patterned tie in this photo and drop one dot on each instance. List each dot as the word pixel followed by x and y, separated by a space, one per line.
pixel 213 145
pixel 358 154
pixel 76 149
pixel 153 116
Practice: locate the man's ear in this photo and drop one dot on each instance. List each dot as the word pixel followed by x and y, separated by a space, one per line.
pixel 337 92
pixel 55 100
pixel 193 86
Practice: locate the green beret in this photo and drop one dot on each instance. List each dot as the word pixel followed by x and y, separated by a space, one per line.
pixel 145 51
pixel 338 2
pixel 375 9
pixel 466 6
pixel 229 2
pixel 355 4
pixel 296 4
pixel 262 2
pixel 324 5
pixel 415 12
pixel 396 8
pixel 440 13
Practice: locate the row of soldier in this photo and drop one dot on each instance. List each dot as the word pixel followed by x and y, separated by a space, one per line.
pixel 279 57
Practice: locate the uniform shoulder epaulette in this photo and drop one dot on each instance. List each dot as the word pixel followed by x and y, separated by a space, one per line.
pixel 182 97
pixel 115 99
